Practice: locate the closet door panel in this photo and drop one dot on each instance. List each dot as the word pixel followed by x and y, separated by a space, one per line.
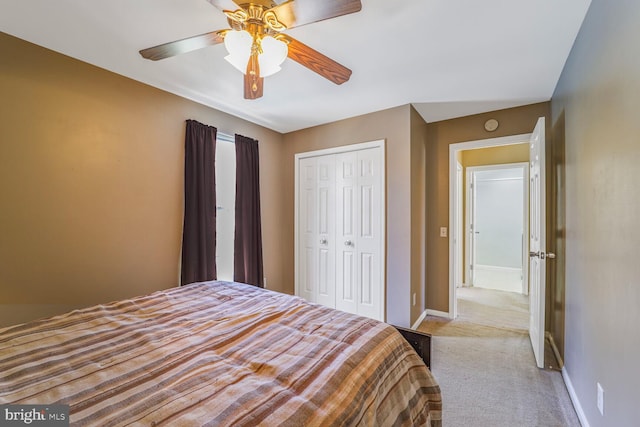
pixel 307 228
pixel 346 232
pixel 370 283
pixel 325 235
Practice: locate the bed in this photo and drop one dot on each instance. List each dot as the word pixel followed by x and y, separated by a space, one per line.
pixel 218 354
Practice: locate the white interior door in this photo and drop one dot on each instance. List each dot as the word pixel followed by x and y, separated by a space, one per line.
pixel 369 253
pixel 325 235
pixel 537 241
pixel 340 228
pixel 308 242
pixel 346 232
pixel 359 280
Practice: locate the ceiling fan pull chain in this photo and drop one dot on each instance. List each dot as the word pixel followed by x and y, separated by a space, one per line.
pixel 256 47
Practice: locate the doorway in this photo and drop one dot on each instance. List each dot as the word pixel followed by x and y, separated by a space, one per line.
pixel 495 237
pixel 536 244
pixel 497 226
pixel 468 154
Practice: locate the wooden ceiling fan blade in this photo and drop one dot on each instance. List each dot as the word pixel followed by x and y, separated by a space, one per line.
pixel 295 13
pixel 253 83
pixel 253 88
pixel 317 62
pixel 189 44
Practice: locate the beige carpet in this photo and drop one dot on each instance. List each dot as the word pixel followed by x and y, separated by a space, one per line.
pixel 489 307
pixel 484 364
pixel 483 312
pixel 488 313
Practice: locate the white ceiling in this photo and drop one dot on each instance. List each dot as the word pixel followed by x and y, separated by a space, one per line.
pixel 449 58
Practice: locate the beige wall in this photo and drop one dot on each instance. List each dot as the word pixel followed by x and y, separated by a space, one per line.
pixel 392 125
pixel 513 121
pixel 595 114
pixel 495 155
pixel 91 178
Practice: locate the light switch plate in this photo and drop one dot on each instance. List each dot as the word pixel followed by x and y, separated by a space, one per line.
pixel 443 231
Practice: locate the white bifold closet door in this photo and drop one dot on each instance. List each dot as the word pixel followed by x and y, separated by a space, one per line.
pixel 317 226
pixel 358 252
pixel 340 230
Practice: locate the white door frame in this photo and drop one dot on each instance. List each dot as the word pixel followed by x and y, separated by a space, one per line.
pixel 468 241
pixel 525 217
pixel 453 197
pixel 383 209
pixel 460 230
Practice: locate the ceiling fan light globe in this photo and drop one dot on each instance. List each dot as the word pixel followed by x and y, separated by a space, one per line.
pixel 274 52
pixel 275 49
pixel 266 71
pixel 238 41
pixel 238 44
pixel 240 63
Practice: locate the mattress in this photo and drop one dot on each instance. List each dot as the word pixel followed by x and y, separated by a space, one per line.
pixel 218 354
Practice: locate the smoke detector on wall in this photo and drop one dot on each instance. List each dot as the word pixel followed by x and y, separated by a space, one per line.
pixel 491 125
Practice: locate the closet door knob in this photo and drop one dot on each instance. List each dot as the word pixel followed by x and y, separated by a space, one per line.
pixel 323 241
pixel 348 243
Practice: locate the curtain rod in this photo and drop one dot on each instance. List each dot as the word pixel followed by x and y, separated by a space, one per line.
pixel 225 137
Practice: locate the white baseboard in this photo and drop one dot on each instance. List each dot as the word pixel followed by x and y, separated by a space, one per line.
pixel 420 319
pixel 499 278
pixel 429 312
pixel 437 313
pixel 574 399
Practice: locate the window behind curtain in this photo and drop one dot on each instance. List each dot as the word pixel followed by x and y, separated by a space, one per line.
pixel 225 199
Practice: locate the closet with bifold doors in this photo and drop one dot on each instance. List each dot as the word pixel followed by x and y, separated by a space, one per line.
pixel 339 239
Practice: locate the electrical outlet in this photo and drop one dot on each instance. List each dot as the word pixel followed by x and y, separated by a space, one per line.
pixel 414 298
pixel 600 399
pixel 443 231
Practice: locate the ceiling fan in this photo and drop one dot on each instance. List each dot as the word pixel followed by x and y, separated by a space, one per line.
pixel 256 43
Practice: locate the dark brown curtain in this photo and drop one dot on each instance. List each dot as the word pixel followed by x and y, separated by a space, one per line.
pixel 199 232
pixel 247 251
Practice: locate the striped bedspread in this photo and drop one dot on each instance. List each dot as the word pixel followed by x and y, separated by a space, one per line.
pixel 218 354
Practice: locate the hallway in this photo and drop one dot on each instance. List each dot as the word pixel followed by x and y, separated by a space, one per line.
pixel 493 308
pixel 484 364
